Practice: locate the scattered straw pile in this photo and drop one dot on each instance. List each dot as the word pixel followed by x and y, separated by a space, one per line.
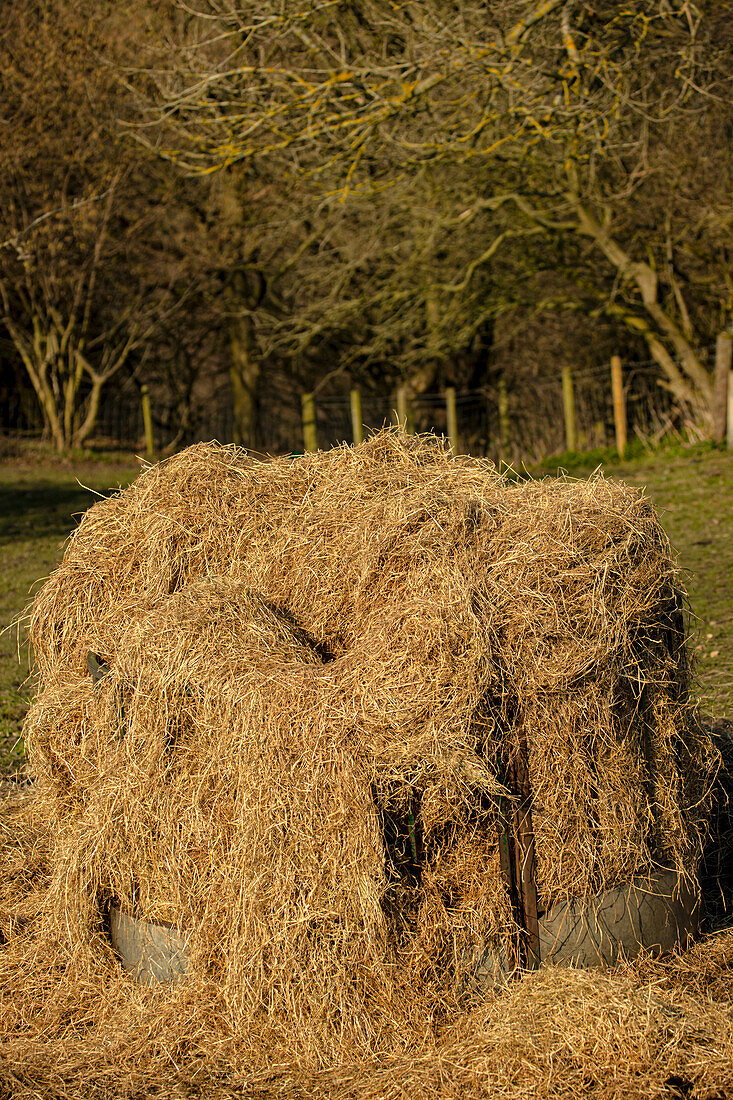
pixel 310 662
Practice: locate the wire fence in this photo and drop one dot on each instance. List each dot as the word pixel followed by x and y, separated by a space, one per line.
pixel 520 419
pixel 532 423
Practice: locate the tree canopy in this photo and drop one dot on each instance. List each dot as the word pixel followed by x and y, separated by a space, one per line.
pixel 553 118
pixel 367 188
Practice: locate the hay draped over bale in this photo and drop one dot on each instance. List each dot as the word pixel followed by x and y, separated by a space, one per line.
pixel 318 669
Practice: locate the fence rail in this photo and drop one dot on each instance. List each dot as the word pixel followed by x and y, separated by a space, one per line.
pixel 522 419
pixel 527 419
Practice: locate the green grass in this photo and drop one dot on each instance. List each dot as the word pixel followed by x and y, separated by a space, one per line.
pixel 39 505
pixel 692 489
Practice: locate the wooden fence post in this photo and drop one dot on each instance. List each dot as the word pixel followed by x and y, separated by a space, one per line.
pixel 147 422
pixel 404 419
pixel 310 435
pixel 451 418
pixel 568 402
pixel 723 364
pixel 503 417
pixel 619 404
pixel 357 428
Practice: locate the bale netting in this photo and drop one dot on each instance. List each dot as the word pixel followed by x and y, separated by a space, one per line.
pixel 330 694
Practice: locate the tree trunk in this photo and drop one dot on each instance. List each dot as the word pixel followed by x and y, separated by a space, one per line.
pixel 53 421
pixel 72 381
pixel 691 379
pixel 723 363
pixel 36 360
pixel 90 420
pixel 244 373
pixel 49 407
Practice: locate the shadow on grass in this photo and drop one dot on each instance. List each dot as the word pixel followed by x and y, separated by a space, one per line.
pixel 42 511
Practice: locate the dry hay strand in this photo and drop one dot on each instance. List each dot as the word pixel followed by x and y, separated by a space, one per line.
pixel 318 671
pixel 25 859
pixel 650 1029
pixel 716 871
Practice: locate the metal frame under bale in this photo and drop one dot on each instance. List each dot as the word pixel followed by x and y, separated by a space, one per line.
pixel 657 914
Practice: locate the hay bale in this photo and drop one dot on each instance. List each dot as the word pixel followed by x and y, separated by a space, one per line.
pixel 25 854
pixel 455 609
pixel 308 655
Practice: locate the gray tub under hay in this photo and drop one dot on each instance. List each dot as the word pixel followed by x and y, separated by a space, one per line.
pixel 656 914
pixel 151 953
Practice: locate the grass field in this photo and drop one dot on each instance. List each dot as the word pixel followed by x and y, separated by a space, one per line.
pixel 41 500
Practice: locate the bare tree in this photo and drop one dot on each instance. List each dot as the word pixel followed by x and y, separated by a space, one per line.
pixel 560 112
pixel 69 342
pixel 81 288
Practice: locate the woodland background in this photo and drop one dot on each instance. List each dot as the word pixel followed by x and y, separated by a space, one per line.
pixel 236 203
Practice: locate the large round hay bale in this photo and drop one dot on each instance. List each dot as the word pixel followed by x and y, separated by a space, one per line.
pixel 327 672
